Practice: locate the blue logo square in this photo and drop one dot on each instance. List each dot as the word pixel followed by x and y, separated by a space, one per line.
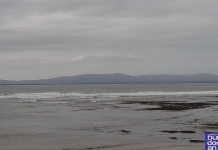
pixel 211 141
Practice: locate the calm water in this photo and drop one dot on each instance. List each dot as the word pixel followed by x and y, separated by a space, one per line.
pixel 107 88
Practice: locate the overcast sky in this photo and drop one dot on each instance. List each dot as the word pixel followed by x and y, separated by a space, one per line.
pixel 50 38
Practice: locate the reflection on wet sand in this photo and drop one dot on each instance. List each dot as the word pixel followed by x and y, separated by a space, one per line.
pixel 148 122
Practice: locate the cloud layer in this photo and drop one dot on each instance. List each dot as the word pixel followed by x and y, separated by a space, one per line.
pixel 101 36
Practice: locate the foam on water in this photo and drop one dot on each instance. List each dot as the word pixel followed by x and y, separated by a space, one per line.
pixel 49 95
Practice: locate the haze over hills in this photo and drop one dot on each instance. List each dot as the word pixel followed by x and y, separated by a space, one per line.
pixel 118 78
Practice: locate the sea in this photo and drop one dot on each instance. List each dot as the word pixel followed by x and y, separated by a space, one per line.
pixel 104 91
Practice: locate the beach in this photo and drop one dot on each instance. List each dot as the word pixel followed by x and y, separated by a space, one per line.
pixel 113 120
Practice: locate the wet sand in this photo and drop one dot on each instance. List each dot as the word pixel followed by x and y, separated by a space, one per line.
pixel 128 123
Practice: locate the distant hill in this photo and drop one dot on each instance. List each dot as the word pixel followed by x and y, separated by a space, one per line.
pixel 118 78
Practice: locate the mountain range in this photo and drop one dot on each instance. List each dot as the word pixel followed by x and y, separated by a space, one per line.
pixel 118 78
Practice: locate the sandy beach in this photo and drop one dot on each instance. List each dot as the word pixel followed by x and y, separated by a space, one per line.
pixel 127 123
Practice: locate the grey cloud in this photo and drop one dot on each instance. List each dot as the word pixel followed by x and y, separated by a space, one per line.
pixel 26 59
pixel 109 31
pixel 105 57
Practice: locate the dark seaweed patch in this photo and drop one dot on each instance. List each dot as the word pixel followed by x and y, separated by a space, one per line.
pixel 173 131
pixel 197 141
pixel 212 124
pixel 125 131
pixel 103 147
pixel 172 105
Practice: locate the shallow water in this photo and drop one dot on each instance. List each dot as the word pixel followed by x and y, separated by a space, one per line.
pixel 105 116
